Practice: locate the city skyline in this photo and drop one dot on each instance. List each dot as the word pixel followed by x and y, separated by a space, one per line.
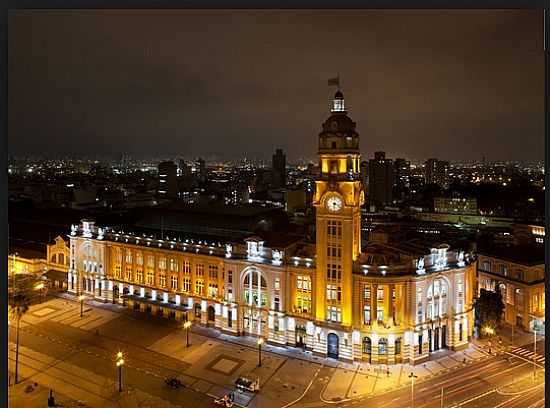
pixel 478 80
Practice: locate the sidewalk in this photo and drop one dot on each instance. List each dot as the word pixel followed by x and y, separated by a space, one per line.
pixel 29 394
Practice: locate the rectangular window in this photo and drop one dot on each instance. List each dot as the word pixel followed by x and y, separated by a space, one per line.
pixel 162 263
pixel 128 256
pixel 503 270
pixel 334 251
pixel 139 258
pixel 334 314
pixel 187 267
pixel 303 303
pixel 366 315
pixel 173 265
pixel 139 276
pixel 174 282
pixel 303 284
pixel 199 270
pixel 229 276
pixel 199 287
pixel 128 273
pixel 213 271
pixel 334 229
pixel 212 290
pixel 162 280
pixel 277 284
pixel 150 277
pixel 331 292
pixel 334 271
pixel 276 303
pixel 151 261
pixel 366 294
pixel 380 314
pixel 187 285
pixel 419 344
pixel 460 332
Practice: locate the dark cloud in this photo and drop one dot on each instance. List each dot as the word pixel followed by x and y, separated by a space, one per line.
pixel 455 84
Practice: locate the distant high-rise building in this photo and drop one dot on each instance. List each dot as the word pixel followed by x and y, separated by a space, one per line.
pixel 201 166
pixel 168 182
pixel 278 179
pixel 437 172
pixel 364 169
pixel 402 179
pixel 380 180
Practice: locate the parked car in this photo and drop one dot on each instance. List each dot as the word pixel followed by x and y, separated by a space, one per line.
pixel 246 384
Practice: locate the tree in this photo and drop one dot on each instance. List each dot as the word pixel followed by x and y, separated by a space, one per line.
pixel 488 308
pixel 21 293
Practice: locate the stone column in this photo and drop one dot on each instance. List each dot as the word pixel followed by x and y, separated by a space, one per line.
pixel 373 304
pixel 391 317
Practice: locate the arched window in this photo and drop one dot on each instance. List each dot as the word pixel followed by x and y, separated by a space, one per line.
pixel 398 346
pixel 61 259
pixel 54 258
pixel 255 288
pixel 382 346
pixel 436 298
pixel 367 345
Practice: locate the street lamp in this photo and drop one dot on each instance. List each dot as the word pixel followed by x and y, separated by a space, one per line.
pixel 260 342
pixel 119 364
pixel 81 298
pixel 534 354
pixel 412 376
pixel 187 326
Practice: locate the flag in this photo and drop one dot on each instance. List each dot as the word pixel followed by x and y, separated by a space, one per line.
pixel 334 81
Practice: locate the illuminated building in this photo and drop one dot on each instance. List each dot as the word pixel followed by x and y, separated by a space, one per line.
pixel 384 303
pixel 517 272
pixel 168 182
pixel 455 205
pixel 437 172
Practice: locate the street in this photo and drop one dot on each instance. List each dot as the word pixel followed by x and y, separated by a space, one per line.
pixel 76 357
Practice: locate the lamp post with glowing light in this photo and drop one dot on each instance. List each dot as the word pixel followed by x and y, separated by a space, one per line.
pixel 187 326
pixel 412 376
pixel 260 342
pixel 81 298
pixel 40 287
pixel 119 364
pixel 489 331
pixel 535 353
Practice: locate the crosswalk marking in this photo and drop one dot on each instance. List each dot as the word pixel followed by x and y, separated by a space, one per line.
pixel 528 354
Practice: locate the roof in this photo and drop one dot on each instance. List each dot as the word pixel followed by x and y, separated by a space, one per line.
pixel 53 274
pixel 26 251
pixel 528 255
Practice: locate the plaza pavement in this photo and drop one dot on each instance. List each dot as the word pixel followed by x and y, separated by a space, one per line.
pixel 214 360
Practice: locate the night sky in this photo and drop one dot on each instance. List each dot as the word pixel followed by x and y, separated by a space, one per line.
pixel 455 85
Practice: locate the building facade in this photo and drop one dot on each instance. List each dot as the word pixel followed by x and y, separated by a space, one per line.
pixel 455 205
pixel 519 278
pixel 379 304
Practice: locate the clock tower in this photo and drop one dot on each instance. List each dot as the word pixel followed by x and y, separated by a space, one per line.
pixel 338 199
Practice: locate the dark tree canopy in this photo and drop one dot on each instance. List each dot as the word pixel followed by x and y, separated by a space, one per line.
pixel 488 308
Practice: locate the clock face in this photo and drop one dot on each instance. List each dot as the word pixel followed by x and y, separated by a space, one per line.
pixel 334 204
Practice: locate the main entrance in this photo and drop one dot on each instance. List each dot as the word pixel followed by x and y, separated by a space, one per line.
pixel 332 345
